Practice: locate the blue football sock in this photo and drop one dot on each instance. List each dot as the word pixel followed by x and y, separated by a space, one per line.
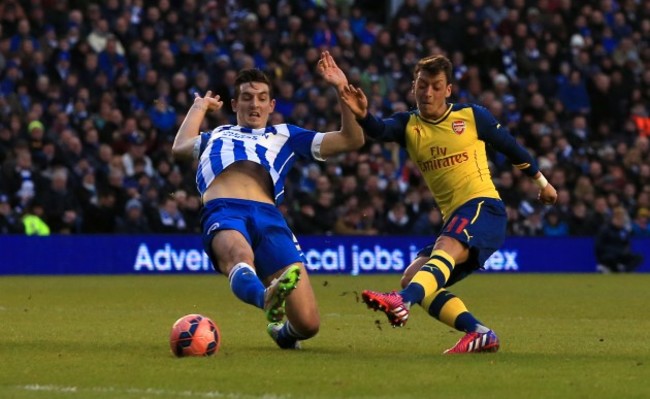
pixel 288 336
pixel 246 286
pixel 468 323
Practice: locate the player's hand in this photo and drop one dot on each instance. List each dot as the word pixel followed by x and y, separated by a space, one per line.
pixel 209 103
pixel 548 195
pixel 331 72
pixel 356 100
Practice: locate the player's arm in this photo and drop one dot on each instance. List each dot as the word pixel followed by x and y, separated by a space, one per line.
pixel 350 136
pixel 385 130
pixel 493 133
pixel 390 129
pixel 187 135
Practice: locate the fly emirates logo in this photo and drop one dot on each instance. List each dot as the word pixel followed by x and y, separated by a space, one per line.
pixel 440 160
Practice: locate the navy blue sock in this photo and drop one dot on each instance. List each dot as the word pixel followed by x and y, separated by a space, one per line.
pixel 288 336
pixel 246 286
pixel 468 323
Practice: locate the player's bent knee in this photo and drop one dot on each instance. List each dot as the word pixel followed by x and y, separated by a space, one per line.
pixel 307 328
pixel 308 331
pixel 311 329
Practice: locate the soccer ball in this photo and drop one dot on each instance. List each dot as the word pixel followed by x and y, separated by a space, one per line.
pixel 194 335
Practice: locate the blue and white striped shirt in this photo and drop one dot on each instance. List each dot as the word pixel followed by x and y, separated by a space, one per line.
pixel 274 147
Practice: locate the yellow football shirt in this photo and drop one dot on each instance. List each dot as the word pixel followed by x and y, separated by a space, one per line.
pixel 451 151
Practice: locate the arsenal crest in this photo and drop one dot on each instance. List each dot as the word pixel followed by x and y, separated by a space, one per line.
pixel 458 126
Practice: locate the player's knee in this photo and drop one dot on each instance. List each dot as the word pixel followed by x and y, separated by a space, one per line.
pixel 311 330
pixel 307 327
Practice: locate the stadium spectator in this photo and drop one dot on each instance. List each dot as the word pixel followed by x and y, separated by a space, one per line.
pixel 100 217
pixel 579 220
pixel 305 220
pixel 397 220
pixel 428 224
pixel 613 245
pixel 169 218
pixel 163 116
pixel 240 177
pixel 352 223
pixel 371 220
pixel 137 151
pixel 134 221
pixel 640 224
pixel 63 211
pixel 190 206
pixel 20 177
pixel 9 222
pixel 553 226
pixel 533 224
pixel 440 136
pixel 33 220
pixel 573 93
pixel 325 209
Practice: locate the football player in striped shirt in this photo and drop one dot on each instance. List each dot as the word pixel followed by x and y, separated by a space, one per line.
pixel 240 176
pixel 448 143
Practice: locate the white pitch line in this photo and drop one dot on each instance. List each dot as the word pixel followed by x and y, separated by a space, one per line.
pixel 146 391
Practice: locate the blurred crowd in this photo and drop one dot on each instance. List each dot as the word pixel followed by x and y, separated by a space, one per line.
pixel 92 93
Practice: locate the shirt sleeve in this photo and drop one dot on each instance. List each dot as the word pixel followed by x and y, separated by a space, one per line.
pixel 305 143
pixel 392 129
pixel 497 136
pixel 200 144
pixel 316 146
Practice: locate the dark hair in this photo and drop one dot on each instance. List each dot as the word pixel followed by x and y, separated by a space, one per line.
pixel 252 75
pixel 433 65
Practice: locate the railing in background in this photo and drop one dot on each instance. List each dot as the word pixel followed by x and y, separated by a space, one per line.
pixel 164 254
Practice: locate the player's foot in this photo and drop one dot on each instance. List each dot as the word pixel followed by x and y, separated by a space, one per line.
pixel 274 331
pixel 277 292
pixel 390 303
pixel 476 343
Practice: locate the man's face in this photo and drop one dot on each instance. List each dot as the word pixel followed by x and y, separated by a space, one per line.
pixel 431 92
pixel 618 220
pixel 254 105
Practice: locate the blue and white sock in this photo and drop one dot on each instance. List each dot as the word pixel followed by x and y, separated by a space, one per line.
pixel 246 286
pixel 288 336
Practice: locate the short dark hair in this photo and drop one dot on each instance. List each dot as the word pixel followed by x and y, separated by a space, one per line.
pixel 252 75
pixel 433 65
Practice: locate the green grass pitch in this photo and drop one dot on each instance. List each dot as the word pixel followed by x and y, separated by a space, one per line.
pixel 563 336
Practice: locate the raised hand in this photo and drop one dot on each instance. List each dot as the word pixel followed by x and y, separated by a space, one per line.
pixel 356 100
pixel 208 103
pixel 331 72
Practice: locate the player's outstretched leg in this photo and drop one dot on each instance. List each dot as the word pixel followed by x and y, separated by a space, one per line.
pixel 390 303
pixel 476 342
pixel 276 293
pixel 279 332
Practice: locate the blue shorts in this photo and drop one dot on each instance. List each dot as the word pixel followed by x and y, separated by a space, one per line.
pixel 263 226
pixel 480 224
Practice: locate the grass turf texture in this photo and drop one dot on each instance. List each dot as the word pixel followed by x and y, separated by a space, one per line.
pixel 563 336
